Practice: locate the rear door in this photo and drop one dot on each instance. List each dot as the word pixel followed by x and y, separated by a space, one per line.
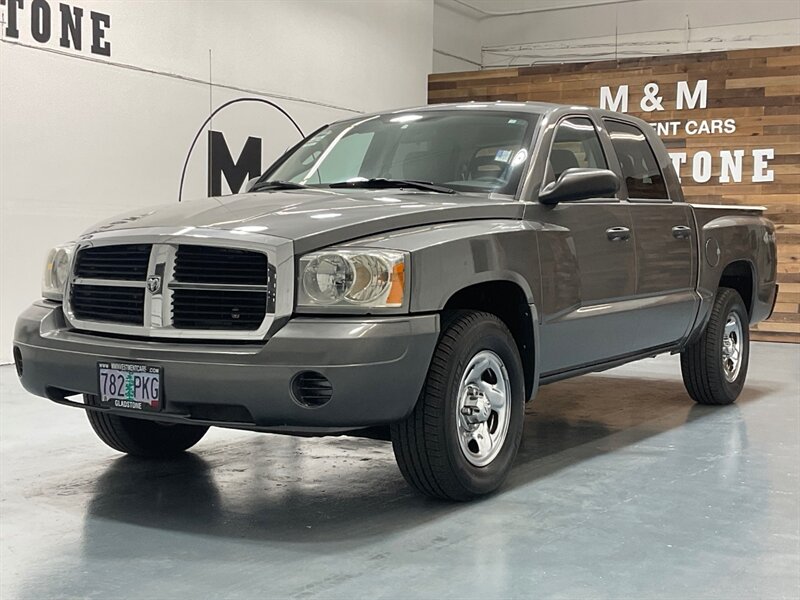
pixel 664 239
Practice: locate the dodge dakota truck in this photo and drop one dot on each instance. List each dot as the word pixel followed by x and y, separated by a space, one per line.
pixel 419 273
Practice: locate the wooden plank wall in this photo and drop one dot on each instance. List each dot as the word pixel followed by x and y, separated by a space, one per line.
pixel 758 89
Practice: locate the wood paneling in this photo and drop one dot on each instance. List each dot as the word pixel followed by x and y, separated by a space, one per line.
pixel 759 89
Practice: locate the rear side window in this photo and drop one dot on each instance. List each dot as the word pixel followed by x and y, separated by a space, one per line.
pixel 575 145
pixel 638 162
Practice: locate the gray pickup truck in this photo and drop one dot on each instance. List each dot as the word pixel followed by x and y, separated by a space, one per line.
pixel 416 274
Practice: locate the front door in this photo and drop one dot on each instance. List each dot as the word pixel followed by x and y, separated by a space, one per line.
pixel 588 264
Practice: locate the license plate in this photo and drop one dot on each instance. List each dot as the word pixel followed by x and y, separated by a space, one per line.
pixel 130 385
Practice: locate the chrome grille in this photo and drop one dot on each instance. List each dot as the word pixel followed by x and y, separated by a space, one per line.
pixel 211 285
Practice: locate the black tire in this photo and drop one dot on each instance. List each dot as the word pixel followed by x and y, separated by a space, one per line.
pixel 140 437
pixel 702 362
pixel 426 444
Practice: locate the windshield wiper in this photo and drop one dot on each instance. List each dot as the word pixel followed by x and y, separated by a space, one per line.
pixel 277 185
pixel 379 183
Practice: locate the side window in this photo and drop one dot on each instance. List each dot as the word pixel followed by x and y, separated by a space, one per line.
pixel 575 145
pixel 638 162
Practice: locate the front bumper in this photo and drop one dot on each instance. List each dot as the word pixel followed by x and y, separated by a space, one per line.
pixel 376 366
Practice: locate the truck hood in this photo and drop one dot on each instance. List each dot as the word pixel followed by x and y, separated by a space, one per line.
pixel 317 218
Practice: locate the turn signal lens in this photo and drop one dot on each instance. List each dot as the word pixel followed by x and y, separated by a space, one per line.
pixel 395 296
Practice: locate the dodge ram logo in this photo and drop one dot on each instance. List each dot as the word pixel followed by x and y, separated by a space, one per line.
pixel 154 284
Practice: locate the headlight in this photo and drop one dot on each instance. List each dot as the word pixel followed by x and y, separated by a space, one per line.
pixel 56 271
pixel 354 278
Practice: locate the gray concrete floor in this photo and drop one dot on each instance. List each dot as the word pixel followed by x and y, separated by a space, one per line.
pixel 623 489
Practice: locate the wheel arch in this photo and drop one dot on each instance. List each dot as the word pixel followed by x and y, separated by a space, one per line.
pixel 740 275
pixel 507 300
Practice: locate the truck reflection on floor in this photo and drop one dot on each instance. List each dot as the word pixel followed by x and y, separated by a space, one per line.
pixel 592 457
pixel 286 483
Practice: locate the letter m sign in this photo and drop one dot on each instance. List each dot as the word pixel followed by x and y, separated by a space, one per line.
pixel 221 163
pixel 618 102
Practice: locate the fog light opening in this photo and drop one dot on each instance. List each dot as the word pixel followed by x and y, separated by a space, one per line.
pixel 311 389
pixel 18 360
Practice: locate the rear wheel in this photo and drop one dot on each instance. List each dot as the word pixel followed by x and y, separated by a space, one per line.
pixel 463 435
pixel 141 437
pixel 715 366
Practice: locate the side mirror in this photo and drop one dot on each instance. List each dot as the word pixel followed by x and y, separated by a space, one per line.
pixel 580 184
pixel 249 185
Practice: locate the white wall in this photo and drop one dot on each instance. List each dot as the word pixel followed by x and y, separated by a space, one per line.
pixel 457 40
pixel 525 32
pixel 84 137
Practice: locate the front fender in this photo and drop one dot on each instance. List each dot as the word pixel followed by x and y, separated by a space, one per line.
pixel 450 257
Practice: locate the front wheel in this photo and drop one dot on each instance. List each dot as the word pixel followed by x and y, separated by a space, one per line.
pixel 714 367
pixel 140 437
pixel 463 435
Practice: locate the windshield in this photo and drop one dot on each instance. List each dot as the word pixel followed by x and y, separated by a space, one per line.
pixel 464 150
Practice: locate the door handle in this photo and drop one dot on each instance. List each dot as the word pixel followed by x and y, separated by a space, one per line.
pixel 618 234
pixel 681 232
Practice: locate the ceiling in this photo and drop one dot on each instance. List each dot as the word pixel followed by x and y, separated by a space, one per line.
pixel 483 9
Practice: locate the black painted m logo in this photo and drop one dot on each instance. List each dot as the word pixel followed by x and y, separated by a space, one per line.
pixel 220 162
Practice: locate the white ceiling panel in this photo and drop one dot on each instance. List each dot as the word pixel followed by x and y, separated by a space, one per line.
pixel 490 8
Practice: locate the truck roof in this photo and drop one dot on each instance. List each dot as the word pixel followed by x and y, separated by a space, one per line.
pixel 540 108
pixel 499 105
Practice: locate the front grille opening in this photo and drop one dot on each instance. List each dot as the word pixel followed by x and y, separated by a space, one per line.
pixel 126 262
pixel 212 264
pixel 67 396
pixel 311 389
pixel 112 304
pixel 218 309
pixel 222 413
